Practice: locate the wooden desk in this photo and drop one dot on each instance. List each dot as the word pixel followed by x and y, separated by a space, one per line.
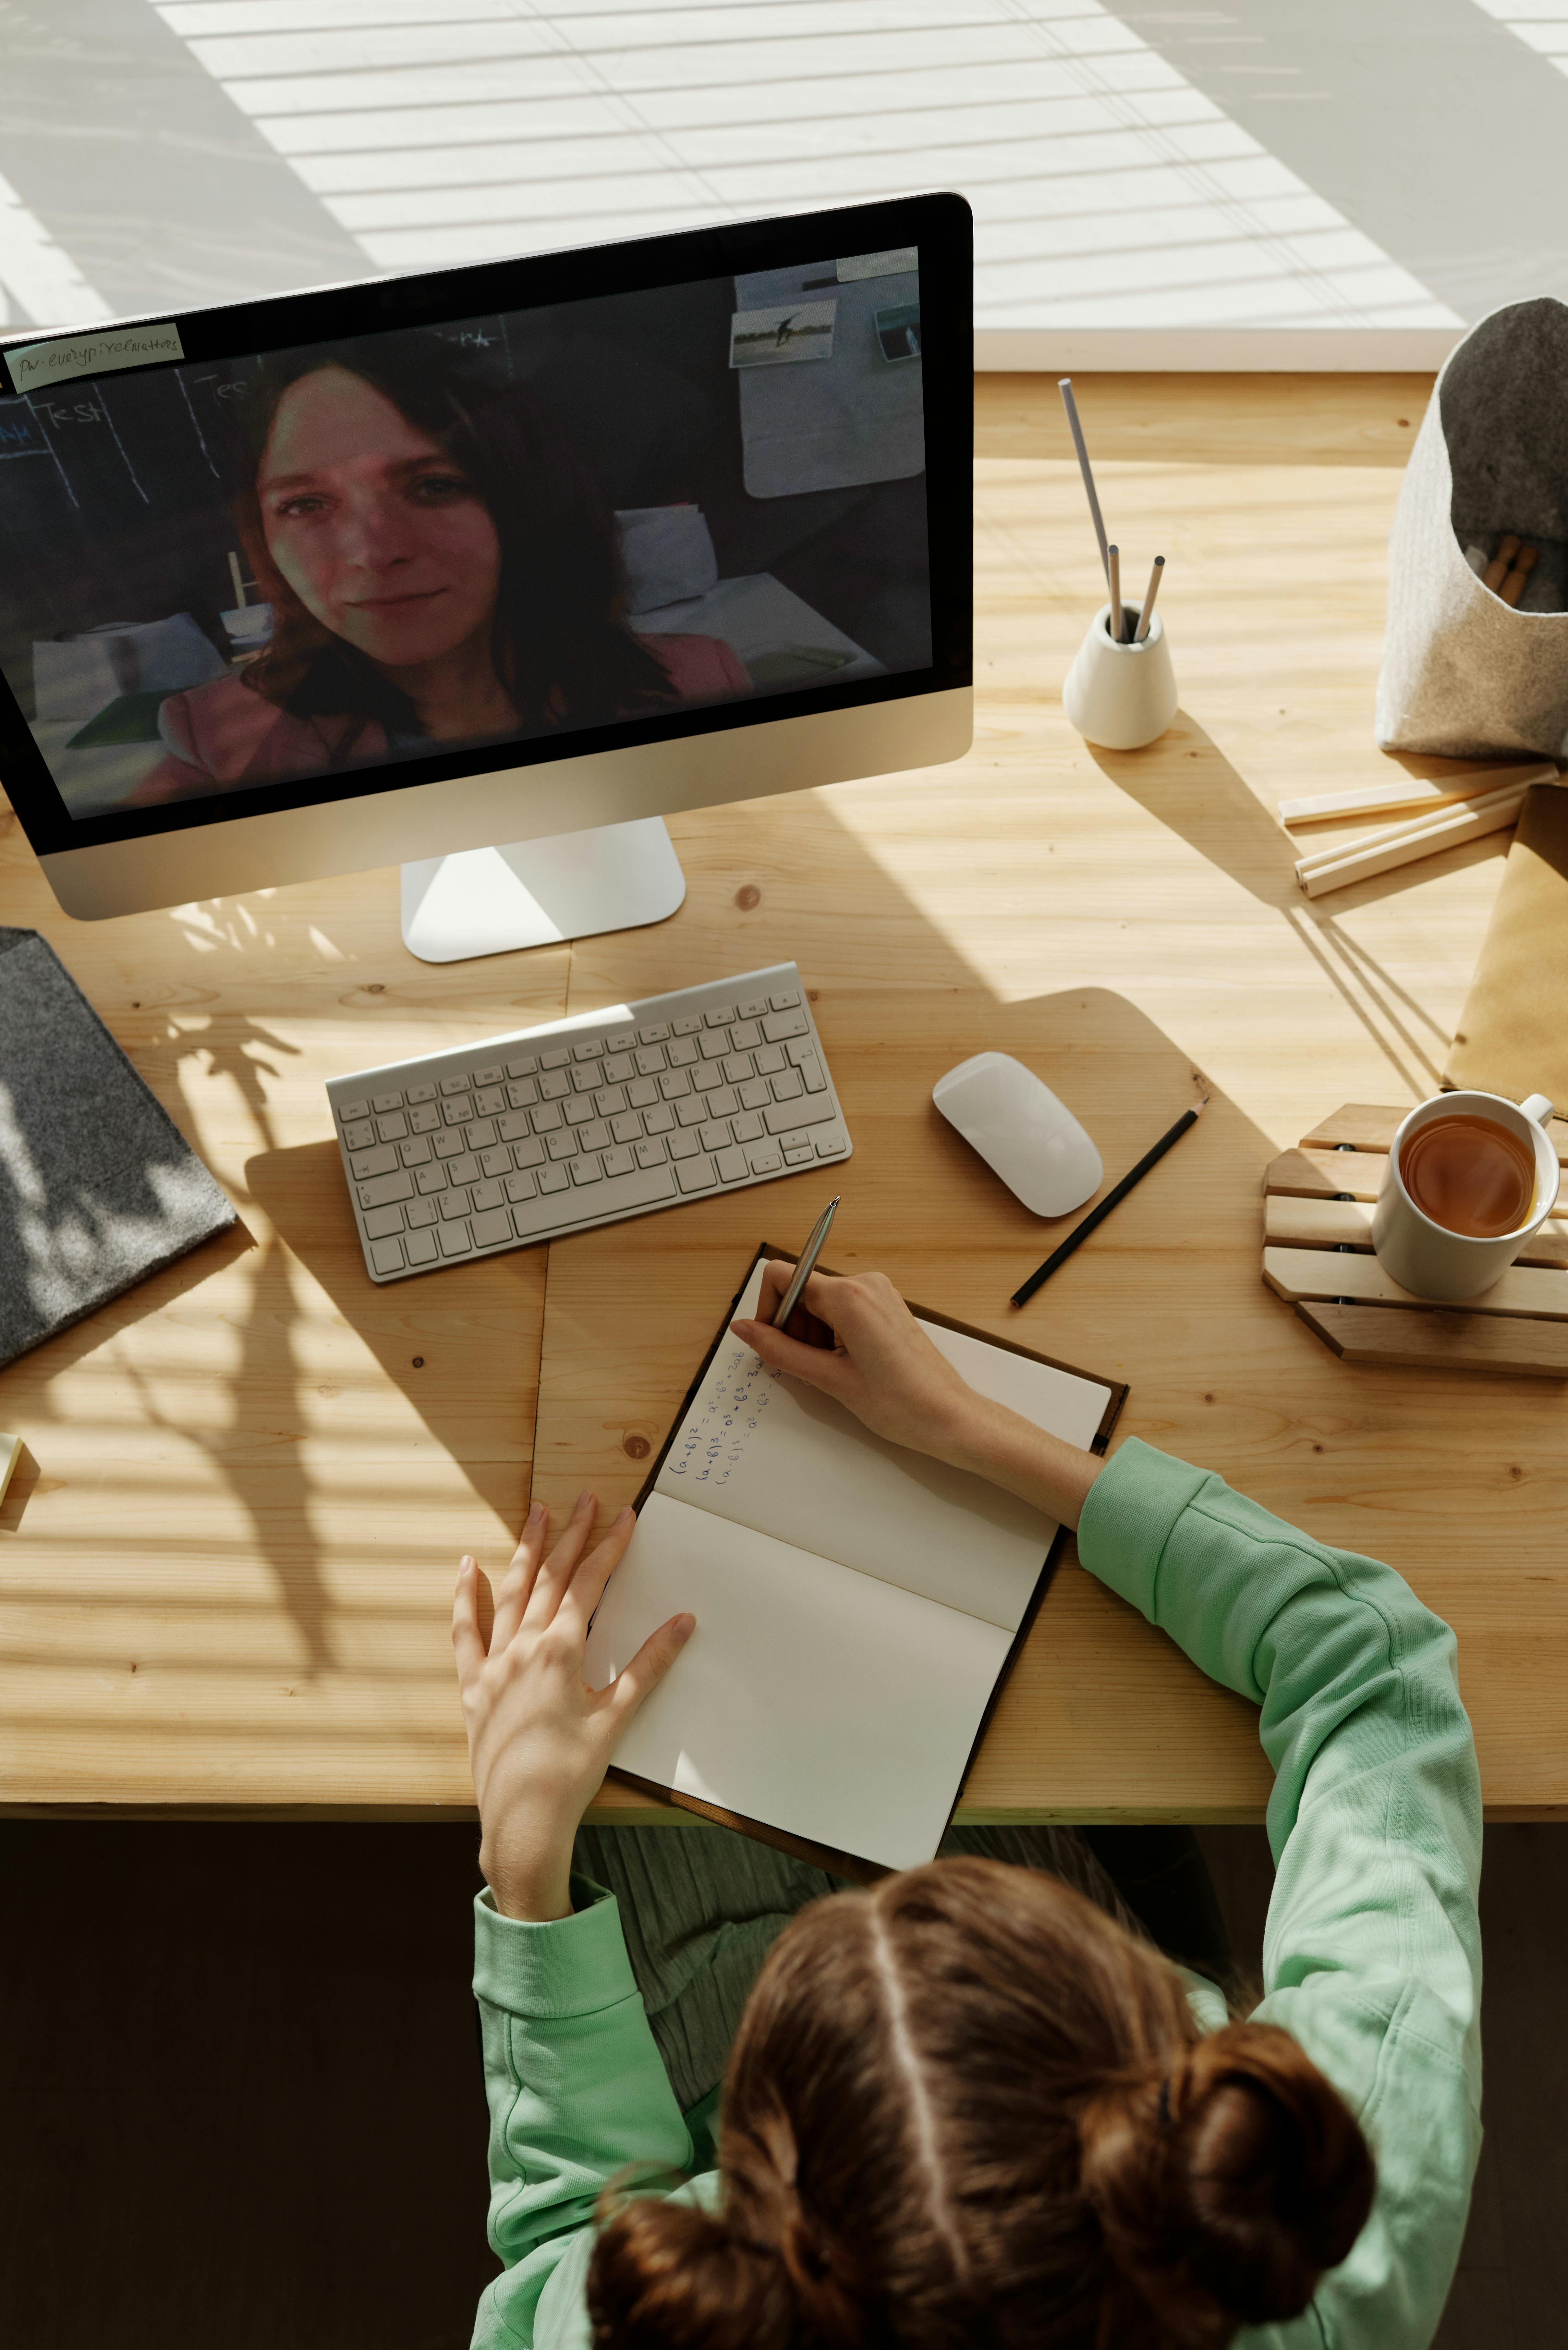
pixel 226 1570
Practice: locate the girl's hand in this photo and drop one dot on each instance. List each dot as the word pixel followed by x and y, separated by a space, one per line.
pixel 858 1340
pixel 540 1739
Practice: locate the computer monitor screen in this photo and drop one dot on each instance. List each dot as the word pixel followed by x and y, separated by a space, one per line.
pixel 380 538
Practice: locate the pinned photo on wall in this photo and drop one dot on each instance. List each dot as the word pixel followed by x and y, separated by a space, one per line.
pixel 898 330
pixel 790 331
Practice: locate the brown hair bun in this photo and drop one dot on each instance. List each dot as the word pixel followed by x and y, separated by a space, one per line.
pixel 669 2276
pixel 1226 2182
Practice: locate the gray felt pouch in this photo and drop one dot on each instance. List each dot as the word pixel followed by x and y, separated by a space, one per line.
pixel 1464 674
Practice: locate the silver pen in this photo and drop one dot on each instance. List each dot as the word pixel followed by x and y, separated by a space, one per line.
pixel 807 1264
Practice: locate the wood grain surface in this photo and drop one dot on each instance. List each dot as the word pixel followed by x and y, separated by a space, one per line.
pixel 224 1573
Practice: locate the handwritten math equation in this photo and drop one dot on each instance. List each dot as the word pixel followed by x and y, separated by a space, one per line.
pixel 710 1446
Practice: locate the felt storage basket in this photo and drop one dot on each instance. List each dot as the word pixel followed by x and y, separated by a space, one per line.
pixel 1464 674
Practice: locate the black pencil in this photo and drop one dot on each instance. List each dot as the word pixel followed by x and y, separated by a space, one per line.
pixel 1098 1215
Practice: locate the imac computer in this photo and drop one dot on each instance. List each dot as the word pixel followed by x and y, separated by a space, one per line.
pixel 483 571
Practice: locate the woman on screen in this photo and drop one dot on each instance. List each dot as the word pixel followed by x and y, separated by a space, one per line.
pixel 442 568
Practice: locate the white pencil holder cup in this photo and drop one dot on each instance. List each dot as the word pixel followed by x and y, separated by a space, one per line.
pixel 1121 696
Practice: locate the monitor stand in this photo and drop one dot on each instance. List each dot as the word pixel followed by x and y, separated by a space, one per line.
pixel 536 893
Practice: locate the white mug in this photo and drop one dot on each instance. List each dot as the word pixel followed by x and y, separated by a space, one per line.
pixel 1425 1257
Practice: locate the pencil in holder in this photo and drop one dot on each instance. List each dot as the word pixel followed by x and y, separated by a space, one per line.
pixel 1121 695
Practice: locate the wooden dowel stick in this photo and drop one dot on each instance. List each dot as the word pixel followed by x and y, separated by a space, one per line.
pixel 1428 841
pixel 1389 798
pixel 1411 831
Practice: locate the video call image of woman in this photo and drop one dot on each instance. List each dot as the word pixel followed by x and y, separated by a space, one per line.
pixel 443 567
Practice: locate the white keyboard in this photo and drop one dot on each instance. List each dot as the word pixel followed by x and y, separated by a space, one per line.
pixel 614 1113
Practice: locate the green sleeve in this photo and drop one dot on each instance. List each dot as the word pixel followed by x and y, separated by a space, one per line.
pixel 577 2095
pixel 1372 1952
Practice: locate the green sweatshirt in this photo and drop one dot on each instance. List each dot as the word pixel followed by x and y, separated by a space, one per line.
pixel 1371 1957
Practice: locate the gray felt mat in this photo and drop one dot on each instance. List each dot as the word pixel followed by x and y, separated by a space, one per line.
pixel 98 1187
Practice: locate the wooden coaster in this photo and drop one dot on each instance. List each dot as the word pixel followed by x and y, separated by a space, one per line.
pixel 1317 1252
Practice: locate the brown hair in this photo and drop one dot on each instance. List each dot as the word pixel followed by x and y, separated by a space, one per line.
pixel 966 2108
pixel 558 641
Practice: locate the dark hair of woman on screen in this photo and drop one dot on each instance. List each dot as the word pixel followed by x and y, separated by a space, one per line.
pixel 441 566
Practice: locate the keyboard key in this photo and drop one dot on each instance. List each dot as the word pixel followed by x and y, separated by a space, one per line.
pixel 674 1084
pixel 546 1119
pixel 618 1163
pixel 829 1147
pixel 521 1187
pixel 737 1067
pixel 386 1189
pixel 770 1059
pixel 755 1010
pixel 720 1017
pixel 464 1169
pixel 497 1161
pixel 715 1044
pixel 592 1048
pixel 528 1154
pixel 382 1161
pixel 360 1136
pixel 557 1057
pixel 642 1093
pixel 554 1179
pixel 786 1115
pixel 488 1100
pixel 723 1102
pixel 432 1179
pixel 523 1094
pixel 393 1128
pixel 655 1032
pixel 586 1076
pixel 618 1068
pixel 692 1111
pixel 714 1135
pixel 426 1120
pixel 684 1146
pixel 555 1088
pixel 620 1040
pixel 651 1060
pixel 450 1146
pixel 787 1001
pixel 764 1162
pixel 524 1065
pixel 627 1127
pixel 594 1136
pixel 811 1070
pixel 387 1256
pixel 648 1188
pixel 801 1050
pixel 580 1111
pixel 799 1158
pixel 780 1025
pixel 458 1110
pixel 681 1052
pixel 480 1133
pixel 586 1171
pixel 690 1025
pixel 748 1127
pixel 609 1099
pixel 420 1248
pixel 386 1101
pixel 651 1154
pixel 486 1196
pixel 453 1204
pixel 514 1127
pixel 562 1146
pixel 661 1119
pixel 787 1086
pixel 454 1240
pixel 696 1175
pixel 754 1094
pixel 416 1153
pixel 732 1166
pixel 746 1036
pixel 350 1112
pixel 704 1079
pixel 419 1094
pixel 422 1213
pixel 491 1228
pixel 490 1075
pixel 454 1085
pixel 382 1220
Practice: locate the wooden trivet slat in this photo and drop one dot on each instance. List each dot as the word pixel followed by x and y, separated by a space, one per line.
pixel 1317 1230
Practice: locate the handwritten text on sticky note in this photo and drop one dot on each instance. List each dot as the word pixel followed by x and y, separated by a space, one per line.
pixel 33 364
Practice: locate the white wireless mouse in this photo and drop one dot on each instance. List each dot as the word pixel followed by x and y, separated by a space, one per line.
pixel 1020 1130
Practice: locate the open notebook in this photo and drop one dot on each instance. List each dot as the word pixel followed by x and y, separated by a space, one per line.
pixel 856 1604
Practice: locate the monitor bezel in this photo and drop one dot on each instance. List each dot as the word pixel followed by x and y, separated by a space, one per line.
pixel 940 225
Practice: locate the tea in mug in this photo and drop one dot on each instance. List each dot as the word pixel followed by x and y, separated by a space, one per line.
pixel 1470 1175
